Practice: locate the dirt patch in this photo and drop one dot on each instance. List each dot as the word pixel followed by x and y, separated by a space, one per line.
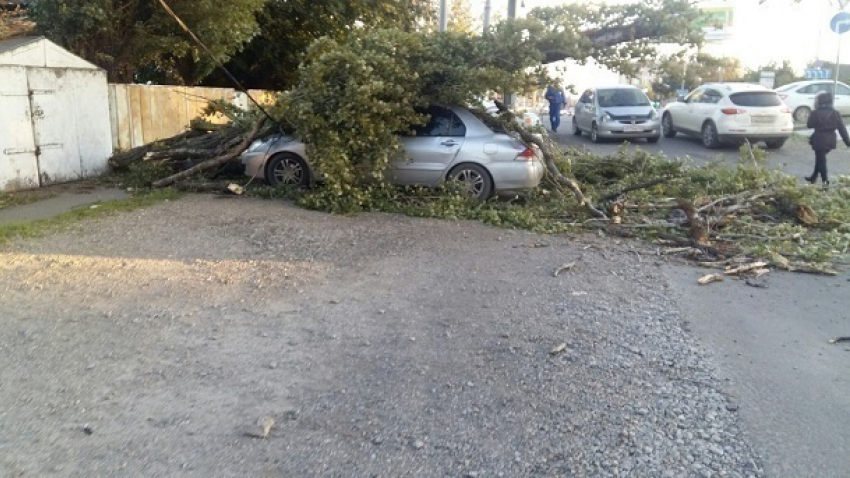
pixel 145 343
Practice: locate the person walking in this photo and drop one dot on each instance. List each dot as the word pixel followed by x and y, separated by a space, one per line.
pixel 826 121
pixel 555 96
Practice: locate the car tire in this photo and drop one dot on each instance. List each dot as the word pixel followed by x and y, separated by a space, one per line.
pixel 477 180
pixel 576 129
pixel 774 143
pixel 709 136
pixel 653 139
pixel 801 114
pixel 667 126
pixel 288 169
pixel 594 133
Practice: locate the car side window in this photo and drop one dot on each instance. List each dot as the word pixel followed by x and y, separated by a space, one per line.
pixel 842 90
pixel 807 90
pixel 586 97
pixel 694 97
pixel 711 96
pixel 442 122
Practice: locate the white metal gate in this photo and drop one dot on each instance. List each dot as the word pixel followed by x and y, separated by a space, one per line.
pixel 18 161
pixel 54 130
pixel 51 126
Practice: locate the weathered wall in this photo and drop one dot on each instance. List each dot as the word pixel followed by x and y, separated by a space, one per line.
pixel 140 114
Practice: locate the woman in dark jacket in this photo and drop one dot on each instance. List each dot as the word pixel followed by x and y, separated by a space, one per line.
pixel 825 120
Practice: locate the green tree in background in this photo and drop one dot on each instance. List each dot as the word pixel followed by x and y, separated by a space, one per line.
pixel 784 74
pixel 675 70
pixel 288 27
pixel 621 37
pixel 126 37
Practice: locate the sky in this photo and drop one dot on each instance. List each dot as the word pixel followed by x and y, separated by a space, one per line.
pixel 774 31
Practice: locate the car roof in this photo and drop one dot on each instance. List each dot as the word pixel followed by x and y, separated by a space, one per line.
pixel 614 87
pixel 736 87
pixel 809 82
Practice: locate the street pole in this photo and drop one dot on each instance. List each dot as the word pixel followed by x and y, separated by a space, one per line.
pixel 444 18
pixel 486 16
pixel 509 98
pixel 837 68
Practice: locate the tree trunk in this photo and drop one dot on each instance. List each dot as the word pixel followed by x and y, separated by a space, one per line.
pixel 227 155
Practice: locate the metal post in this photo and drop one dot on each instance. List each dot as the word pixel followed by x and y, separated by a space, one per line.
pixel 837 69
pixel 510 97
pixel 486 16
pixel 444 18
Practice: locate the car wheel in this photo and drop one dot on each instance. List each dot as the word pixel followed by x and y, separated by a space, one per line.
pixel 801 114
pixel 289 169
pixel 709 136
pixel 774 143
pixel 667 125
pixel 653 139
pixel 576 129
pixel 474 179
pixel 594 133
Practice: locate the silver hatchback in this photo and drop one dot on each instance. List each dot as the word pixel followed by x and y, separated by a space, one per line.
pixel 621 111
pixel 454 145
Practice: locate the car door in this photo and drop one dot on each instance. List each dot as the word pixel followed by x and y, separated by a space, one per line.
pixel 842 99
pixel 584 111
pixel 428 154
pixel 686 117
pixel 705 107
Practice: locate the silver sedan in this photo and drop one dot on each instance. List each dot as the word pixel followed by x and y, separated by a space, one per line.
pixel 454 145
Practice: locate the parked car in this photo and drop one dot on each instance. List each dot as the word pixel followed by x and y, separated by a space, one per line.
pixel 621 111
pixel 800 97
pixel 730 113
pixel 454 145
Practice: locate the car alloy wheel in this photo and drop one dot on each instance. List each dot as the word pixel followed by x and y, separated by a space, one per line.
pixel 474 179
pixel 667 125
pixel 594 133
pixel 801 114
pixel 709 136
pixel 288 169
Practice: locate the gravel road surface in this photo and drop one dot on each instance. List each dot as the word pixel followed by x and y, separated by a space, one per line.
pixel 150 343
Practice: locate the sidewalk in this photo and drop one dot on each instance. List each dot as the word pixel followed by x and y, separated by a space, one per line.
pixel 62 202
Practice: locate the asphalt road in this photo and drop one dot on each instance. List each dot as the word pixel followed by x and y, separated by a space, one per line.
pixel 795 158
pixel 771 344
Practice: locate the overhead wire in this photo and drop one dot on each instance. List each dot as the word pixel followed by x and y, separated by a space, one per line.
pixel 235 81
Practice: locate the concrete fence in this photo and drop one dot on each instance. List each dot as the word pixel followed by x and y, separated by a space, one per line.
pixel 140 114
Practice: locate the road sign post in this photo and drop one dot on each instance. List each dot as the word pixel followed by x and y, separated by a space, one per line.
pixel 840 24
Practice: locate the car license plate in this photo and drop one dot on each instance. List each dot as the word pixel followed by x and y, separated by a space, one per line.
pixel 632 127
pixel 762 119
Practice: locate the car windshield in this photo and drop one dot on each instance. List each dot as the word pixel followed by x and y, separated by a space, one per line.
pixel 755 98
pixel 621 97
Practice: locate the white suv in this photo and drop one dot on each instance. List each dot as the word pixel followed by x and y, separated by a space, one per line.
pixel 800 97
pixel 730 113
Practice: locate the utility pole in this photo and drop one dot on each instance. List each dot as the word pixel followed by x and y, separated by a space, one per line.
pixel 444 18
pixel 487 8
pixel 510 97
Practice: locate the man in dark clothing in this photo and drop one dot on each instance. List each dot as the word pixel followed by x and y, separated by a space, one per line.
pixel 826 121
pixel 555 96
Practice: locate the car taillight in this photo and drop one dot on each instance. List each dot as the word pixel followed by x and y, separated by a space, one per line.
pixel 526 155
pixel 782 97
pixel 786 110
pixel 732 111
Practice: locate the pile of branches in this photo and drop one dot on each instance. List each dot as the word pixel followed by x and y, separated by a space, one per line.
pixel 204 147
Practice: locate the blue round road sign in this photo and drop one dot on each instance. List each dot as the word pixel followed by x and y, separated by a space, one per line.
pixel 840 23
